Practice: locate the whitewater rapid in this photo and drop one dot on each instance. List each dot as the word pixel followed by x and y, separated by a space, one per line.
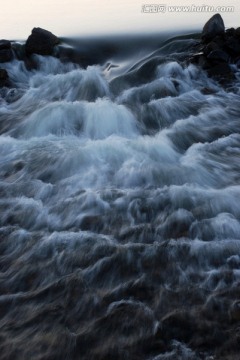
pixel 120 210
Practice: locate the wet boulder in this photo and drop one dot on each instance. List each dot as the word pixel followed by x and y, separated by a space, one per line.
pixel 213 27
pixel 41 42
pixel 6 53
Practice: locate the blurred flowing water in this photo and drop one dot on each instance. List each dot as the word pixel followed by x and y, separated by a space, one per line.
pixel 120 187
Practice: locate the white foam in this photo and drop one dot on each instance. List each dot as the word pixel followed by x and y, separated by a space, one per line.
pixel 97 120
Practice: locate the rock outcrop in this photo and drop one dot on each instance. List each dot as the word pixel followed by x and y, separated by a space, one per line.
pixel 218 50
pixel 213 27
pixel 41 42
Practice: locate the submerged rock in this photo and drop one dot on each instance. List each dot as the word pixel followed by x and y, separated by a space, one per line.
pixel 41 42
pixel 213 27
pixel 6 53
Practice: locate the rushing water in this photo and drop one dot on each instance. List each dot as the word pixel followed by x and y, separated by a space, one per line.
pixel 120 233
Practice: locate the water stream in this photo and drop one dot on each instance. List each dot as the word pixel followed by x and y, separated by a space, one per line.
pixel 120 190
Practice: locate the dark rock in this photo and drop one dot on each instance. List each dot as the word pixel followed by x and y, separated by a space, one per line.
pixel 213 27
pixel 221 69
pixel 6 53
pixel 237 32
pixel 41 42
pixel 223 73
pixel 211 47
pixel 194 59
pixel 219 50
pixel 203 62
pixel 233 46
pixel 220 40
pixel 218 55
pixel 230 32
pixel 3 74
pixel 5 44
pixel 3 77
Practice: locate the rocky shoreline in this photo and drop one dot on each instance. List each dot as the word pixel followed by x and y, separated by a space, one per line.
pixel 217 51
